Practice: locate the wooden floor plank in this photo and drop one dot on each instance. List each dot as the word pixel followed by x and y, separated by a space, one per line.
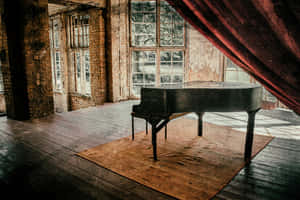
pixel 38 158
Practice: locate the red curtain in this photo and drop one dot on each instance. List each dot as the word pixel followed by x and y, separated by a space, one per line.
pixel 260 36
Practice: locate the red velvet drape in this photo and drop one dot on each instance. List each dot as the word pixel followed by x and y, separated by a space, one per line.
pixel 261 36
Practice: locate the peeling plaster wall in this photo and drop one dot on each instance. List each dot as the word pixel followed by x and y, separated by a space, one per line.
pixel 118 53
pixel 205 60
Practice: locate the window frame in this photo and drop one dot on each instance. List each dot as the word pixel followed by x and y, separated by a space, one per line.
pixel 82 47
pixel 157 48
pixel 1 79
pixel 56 50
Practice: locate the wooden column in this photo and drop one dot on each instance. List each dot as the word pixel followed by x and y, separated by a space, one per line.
pixel 30 88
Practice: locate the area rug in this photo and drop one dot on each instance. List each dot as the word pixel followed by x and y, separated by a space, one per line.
pixel 188 166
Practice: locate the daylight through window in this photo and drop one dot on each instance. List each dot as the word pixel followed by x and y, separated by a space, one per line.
pixel 80 56
pixel 157 44
pixel 55 28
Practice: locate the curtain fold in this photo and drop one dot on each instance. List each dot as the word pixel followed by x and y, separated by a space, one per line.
pixel 260 36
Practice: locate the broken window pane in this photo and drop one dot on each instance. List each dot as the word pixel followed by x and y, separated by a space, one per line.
pixel 171 26
pixel 143 23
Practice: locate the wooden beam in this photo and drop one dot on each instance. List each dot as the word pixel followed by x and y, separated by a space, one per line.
pixel 96 3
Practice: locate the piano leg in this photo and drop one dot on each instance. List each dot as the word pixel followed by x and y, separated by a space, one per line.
pixel 249 136
pixel 166 128
pixel 132 126
pixel 155 129
pixel 146 127
pixel 200 123
pixel 154 143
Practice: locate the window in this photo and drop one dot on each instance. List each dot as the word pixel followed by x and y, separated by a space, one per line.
pixel 157 44
pixel 79 47
pixel 233 73
pixel 79 31
pixel 1 80
pixel 171 67
pixel 55 53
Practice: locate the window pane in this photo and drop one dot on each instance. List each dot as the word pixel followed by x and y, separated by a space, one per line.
pixel 165 7
pixel 171 26
pixel 58 84
pixel 230 64
pixel 137 17
pixel 165 18
pixel 149 6
pixel 178 67
pixel 1 79
pixel 165 56
pixel 177 56
pixel 177 78
pixel 267 96
pixel 178 29
pixel 143 70
pixel 171 67
pixel 165 79
pixel 150 18
pixel 87 72
pixel 149 68
pixel 143 23
pixel 137 67
pixel 56 33
pixel 80 30
pixel 138 78
pixel 177 18
pixel 165 67
pixel 136 6
pixel 166 40
pixel 78 71
pixel 150 78
pixel 230 76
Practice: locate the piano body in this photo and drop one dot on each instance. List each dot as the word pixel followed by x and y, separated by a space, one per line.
pixel 159 103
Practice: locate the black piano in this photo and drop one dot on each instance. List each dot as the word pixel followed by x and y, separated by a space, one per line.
pixel 158 104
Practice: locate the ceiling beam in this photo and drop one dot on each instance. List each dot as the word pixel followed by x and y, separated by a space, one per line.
pixel 96 3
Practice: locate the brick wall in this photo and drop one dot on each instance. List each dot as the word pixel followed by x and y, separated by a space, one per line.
pixel 37 59
pixel 4 66
pixel 97 56
pixel 2 104
pixel 26 63
pixel 68 98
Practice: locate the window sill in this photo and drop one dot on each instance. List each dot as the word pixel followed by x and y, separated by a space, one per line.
pixel 58 92
pixel 75 94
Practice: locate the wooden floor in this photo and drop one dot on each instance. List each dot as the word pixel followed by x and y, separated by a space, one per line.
pixel 37 160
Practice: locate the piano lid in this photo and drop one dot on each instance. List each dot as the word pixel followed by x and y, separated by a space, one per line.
pixel 207 84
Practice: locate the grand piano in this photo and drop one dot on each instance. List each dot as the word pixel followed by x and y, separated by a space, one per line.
pixel 159 104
